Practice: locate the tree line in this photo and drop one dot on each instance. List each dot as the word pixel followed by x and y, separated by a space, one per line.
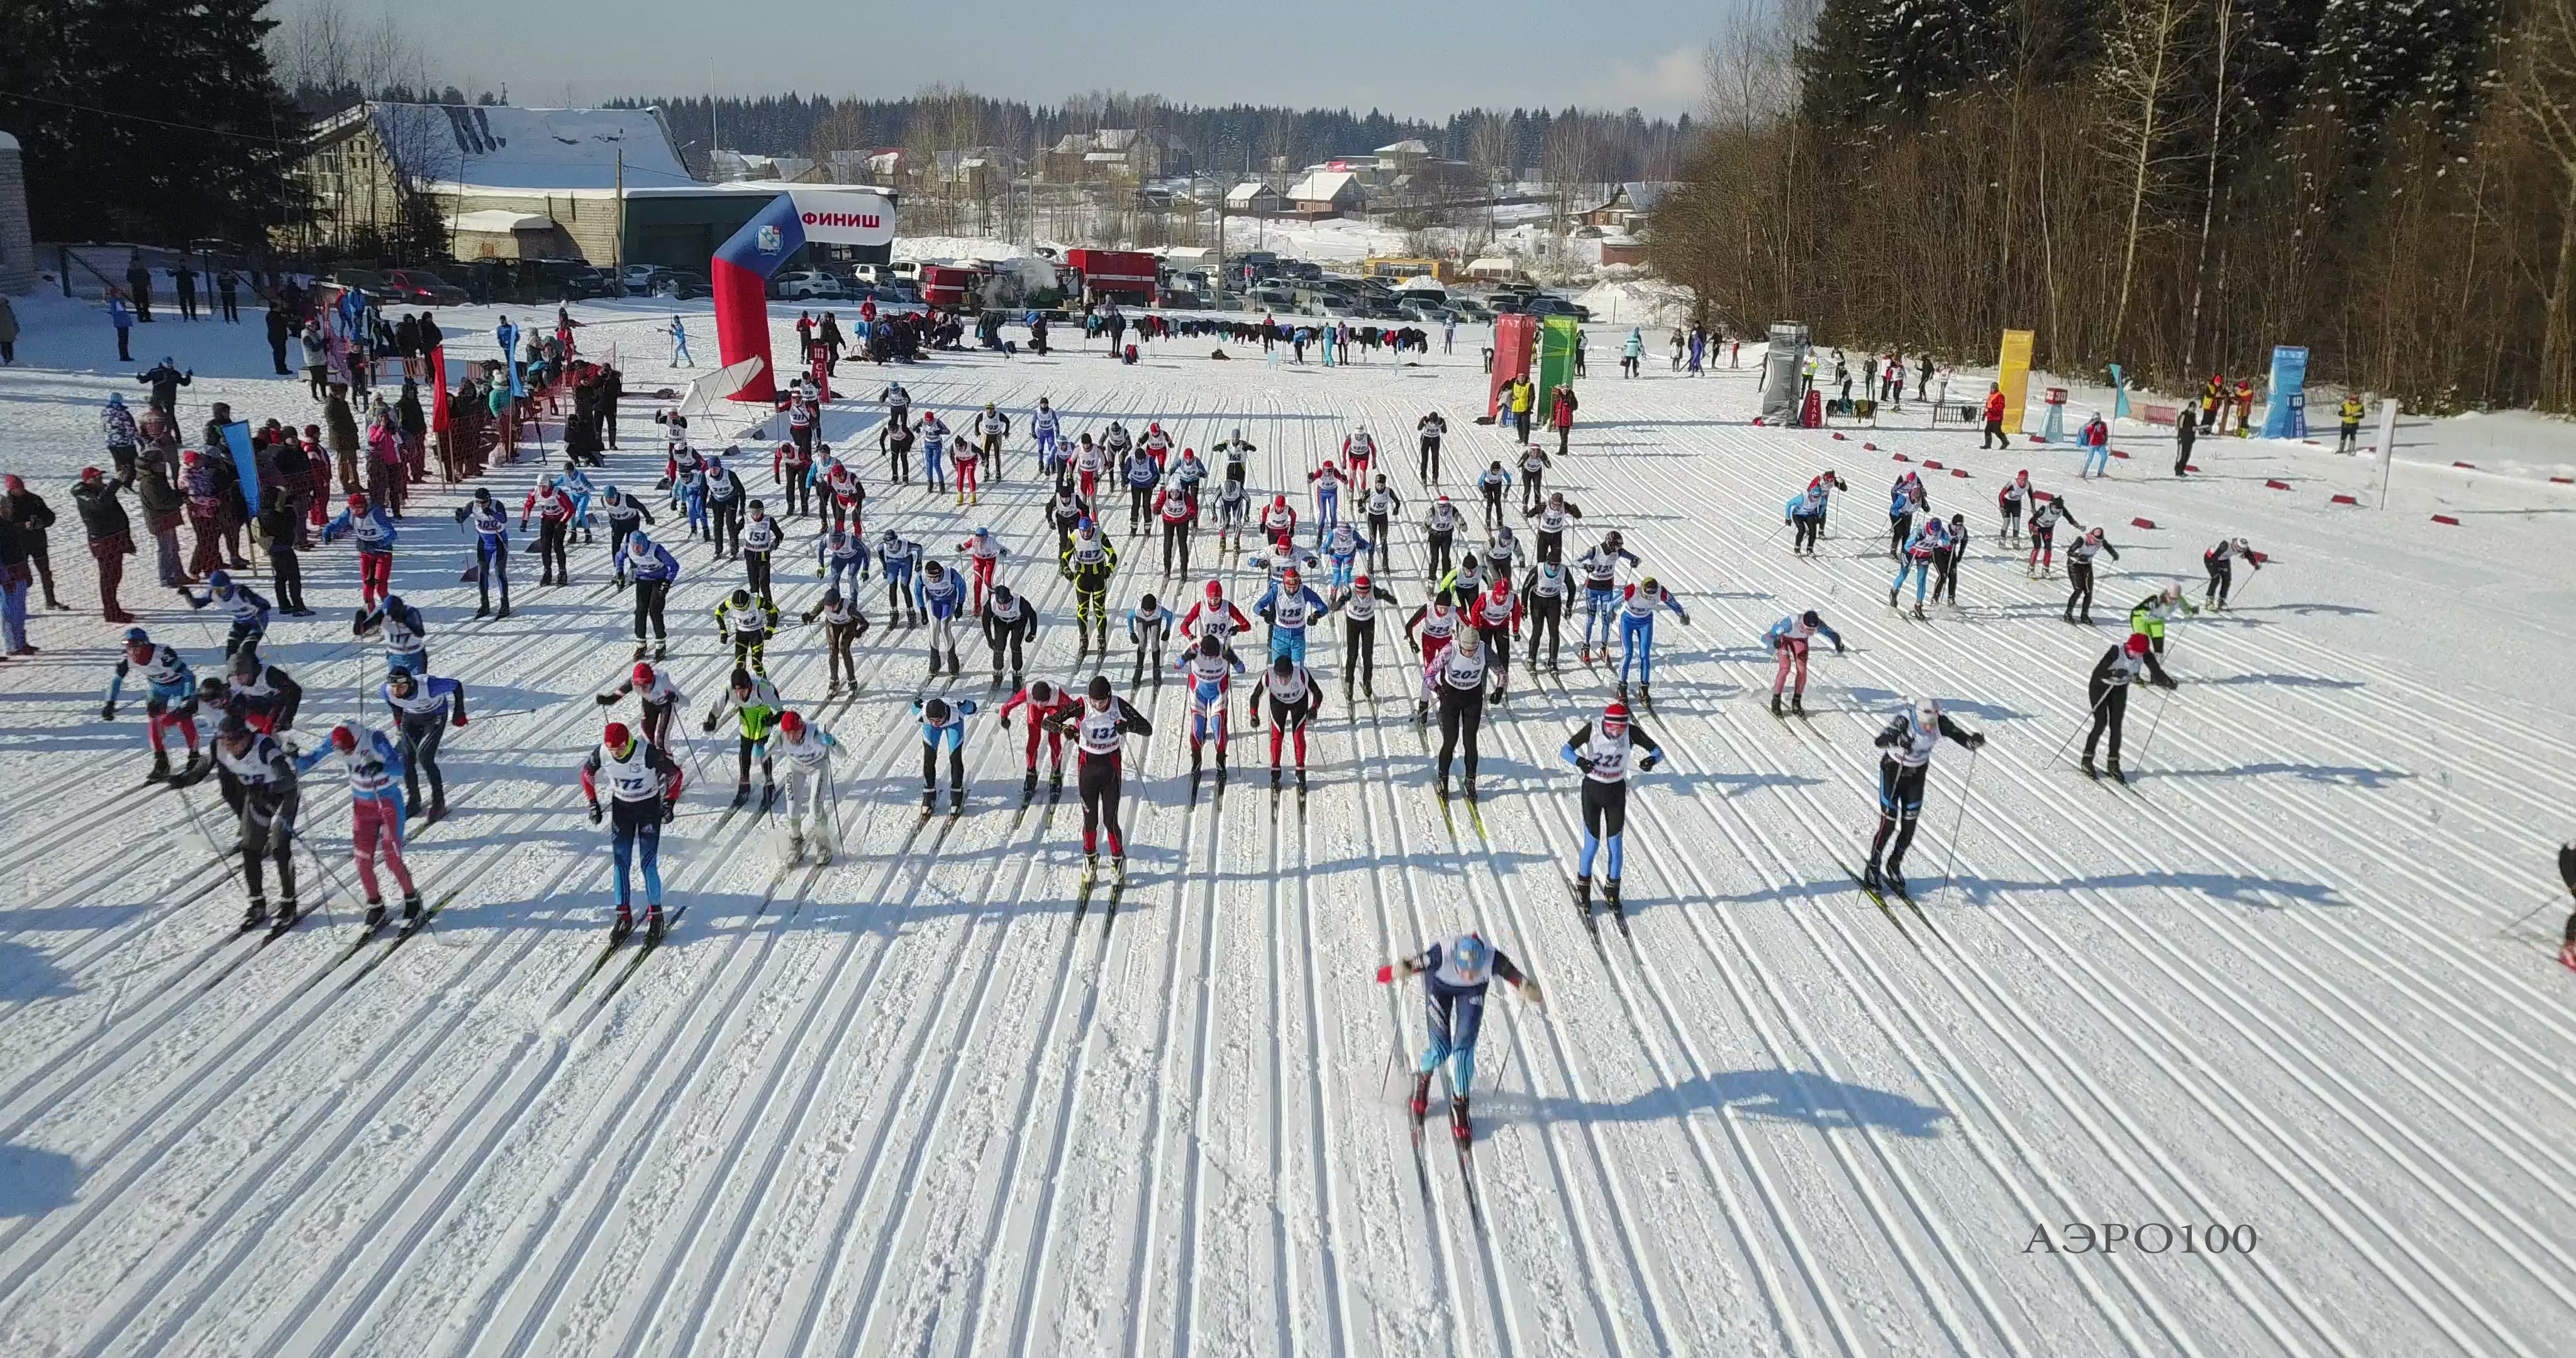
pixel 2172 185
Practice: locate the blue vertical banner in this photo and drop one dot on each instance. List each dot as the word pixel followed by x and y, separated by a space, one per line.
pixel 2287 415
pixel 2119 394
pixel 245 462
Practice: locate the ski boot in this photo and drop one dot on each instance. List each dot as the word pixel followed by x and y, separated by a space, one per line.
pixel 741 794
pixel 1301 783
pixel 768 797
pixel 1420 1104
pixel 1055 775
pixel 2114 770
pixel 287 914
pixel 411 907
pixel 484 610
pixel 1776 709
pixel 956 801
pixel 1029 785
pixel 160 767
pixel 996 681
pixel 1421 711
pixel 1610 896
pixel 654 924
pixel 1440 789
pixel 1893 880
pixel 437 808
pixel 1274 778
pixel 639 650
pixel 1920 615
pixel 2086 764
pixel 952 662
pixel 2069 616
pixel 1090 867
pixel 1646 696
pixel 1118 868
pixel 1869 876
pixel 504 611
pixel 934 664
pixel 189 769
pixel 661 649
pixel 1891 598
pixel 1583 895
pixel 1798 704
pixel 929 799
pixel 257 915
pixel 1467 789
pixel 1461 1128
pixel 375 916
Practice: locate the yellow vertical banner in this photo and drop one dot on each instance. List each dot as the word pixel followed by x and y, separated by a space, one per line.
pixel 2015 377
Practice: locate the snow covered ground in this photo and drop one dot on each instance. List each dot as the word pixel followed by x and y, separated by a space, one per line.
pixel 914 1104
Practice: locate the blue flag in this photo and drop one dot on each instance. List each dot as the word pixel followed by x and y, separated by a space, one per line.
pixel 245 463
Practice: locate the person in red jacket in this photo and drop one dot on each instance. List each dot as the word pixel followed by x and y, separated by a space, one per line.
pixel 1994 419
pixel 1044 700
pixel 1560 412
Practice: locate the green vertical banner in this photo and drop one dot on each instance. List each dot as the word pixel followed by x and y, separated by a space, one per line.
pixel 1555 363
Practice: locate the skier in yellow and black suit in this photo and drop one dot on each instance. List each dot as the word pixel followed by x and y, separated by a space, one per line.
pixel 748 621
pixel 1088 560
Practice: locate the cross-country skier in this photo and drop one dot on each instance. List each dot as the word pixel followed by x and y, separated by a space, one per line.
pixel 1208 669
pixel 1100 725
pixel 1234 450
pixel 1491 483
pixel 1440 528
pixel 1358 606
pixel 754 540
pixel 941 593
pixel 1637 609
pixel 1357 449
pixel 725 495
pixel 624 513
pixel 1924 550
pixel 991 427
pixel 1455 679
pixel 405 635
pixel 1140 470
pixel 845 496
pixel 2219 562
pixel 1551 520
pixel 1214 615
pixel 1047 428
pixel 1379 505
pixel 1904 500
pixel 1295 700
pixel 843 625
pixel 1496 616
pixel 1149 628
pixel 1601 752
pixel 807 753
pixel 553 509
pixel 249 612
pixel 983 552
pixel 659 697
pixel 2043 535
pixel 489 521
pixel 373 529
pixel 1326 482
pixel 1600 567
pixel 1788 640
pixel 1190 474
pixel 752 701
pixel 2010 502
pixel 258 782
pixel 1009 622
pixel 1455 976
pixel 1088 561
pixel 1431 628
pixel 1233 511
pixel 1909 740
pixel 170 697
pixel 424 707
pixel 1534 464
pixel 2079 571
pixel 652 569
pixel 644 785
pixel 2154 611
pixel 793 469
pixel 897 556
pixel 1278 519
pixel 1431 429
pixel 372 762
pixel 747 621
pixel 1043 699
pixel 943 726
pixel 1176 508
pixel 261 694
pixel 2108 688
pixel 1288 607
pixel 934 453
pixel 1341 545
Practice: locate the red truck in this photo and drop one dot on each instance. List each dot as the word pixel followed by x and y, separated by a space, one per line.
pixel 1123 275
pixel 946 286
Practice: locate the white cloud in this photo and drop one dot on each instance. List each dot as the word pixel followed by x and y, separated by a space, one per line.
pixel 1672 83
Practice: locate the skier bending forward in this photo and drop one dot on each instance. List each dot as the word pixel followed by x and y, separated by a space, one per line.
pixel 1454 977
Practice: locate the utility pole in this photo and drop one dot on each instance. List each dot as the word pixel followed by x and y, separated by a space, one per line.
pixel 617 241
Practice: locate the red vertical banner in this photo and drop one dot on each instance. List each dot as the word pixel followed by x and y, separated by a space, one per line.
pixel 1512 337
pixel 438 388
pixel 822 373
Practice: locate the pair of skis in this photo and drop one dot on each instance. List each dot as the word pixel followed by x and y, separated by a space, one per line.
pixel 1466 1172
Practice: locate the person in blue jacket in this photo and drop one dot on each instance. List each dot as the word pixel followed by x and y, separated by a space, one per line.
pixel 1637 634
pixel 373 529
pixel 1288 607
pixel 489 521
pixel 941 593
pixel 943 726
pixel 651 568
pixel 1455 976
pixel 249 611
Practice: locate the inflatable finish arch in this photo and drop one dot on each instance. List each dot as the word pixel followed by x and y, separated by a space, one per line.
pixel 740 270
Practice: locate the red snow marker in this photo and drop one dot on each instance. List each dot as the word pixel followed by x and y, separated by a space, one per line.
pixel 2445 518
pixel 1903 458
pixel 1960 473
pixel 2270 484
pixel 2563 480
pixel 1838 438
pixel 2346 500
pixel 1931 465
pixel 2120 455
pixel 2142 523
pixel 1870 447
pixel 2470 465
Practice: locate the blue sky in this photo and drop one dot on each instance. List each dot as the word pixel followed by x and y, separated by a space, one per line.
pixel 1411 60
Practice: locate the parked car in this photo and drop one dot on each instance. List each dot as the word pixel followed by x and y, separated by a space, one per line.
pixel 797 283
pixel 1469 309
pixel 574 282
pixel 682 287
pixel 365 280
pixel 420 287
pixel 1549 304
pixel 640 278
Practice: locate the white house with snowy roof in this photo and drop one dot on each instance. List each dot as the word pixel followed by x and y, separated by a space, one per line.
pixel 371 164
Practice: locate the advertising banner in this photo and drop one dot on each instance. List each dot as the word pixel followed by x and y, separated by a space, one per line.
pixel 2287 415
pixel 2015 377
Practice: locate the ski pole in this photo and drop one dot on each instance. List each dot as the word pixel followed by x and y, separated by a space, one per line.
pixel 221 855
pixel 1965 784
pixel 2524 918
pixel 2080 728
pixel 2158 720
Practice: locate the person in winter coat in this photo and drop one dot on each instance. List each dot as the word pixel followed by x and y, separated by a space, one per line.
pixel 122 317
pixel 281 328
pixel 317 359
pixel 342 427
pixel 33 516
pixel 1994 435
pixel 1632 352
pixel 110 533
pixel 1560 413
pixel 2186 430
pixel 2095 440
pixel 8 332
pixel 1522 398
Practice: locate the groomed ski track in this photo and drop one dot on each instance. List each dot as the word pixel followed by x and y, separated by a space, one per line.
pixel 913 1102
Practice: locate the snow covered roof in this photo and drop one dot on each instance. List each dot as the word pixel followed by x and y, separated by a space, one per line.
pixel 497 220
pixel 494 146
pixel 1644 194
pixel 1246 191
pixel 1410 146
pixel 1323 186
